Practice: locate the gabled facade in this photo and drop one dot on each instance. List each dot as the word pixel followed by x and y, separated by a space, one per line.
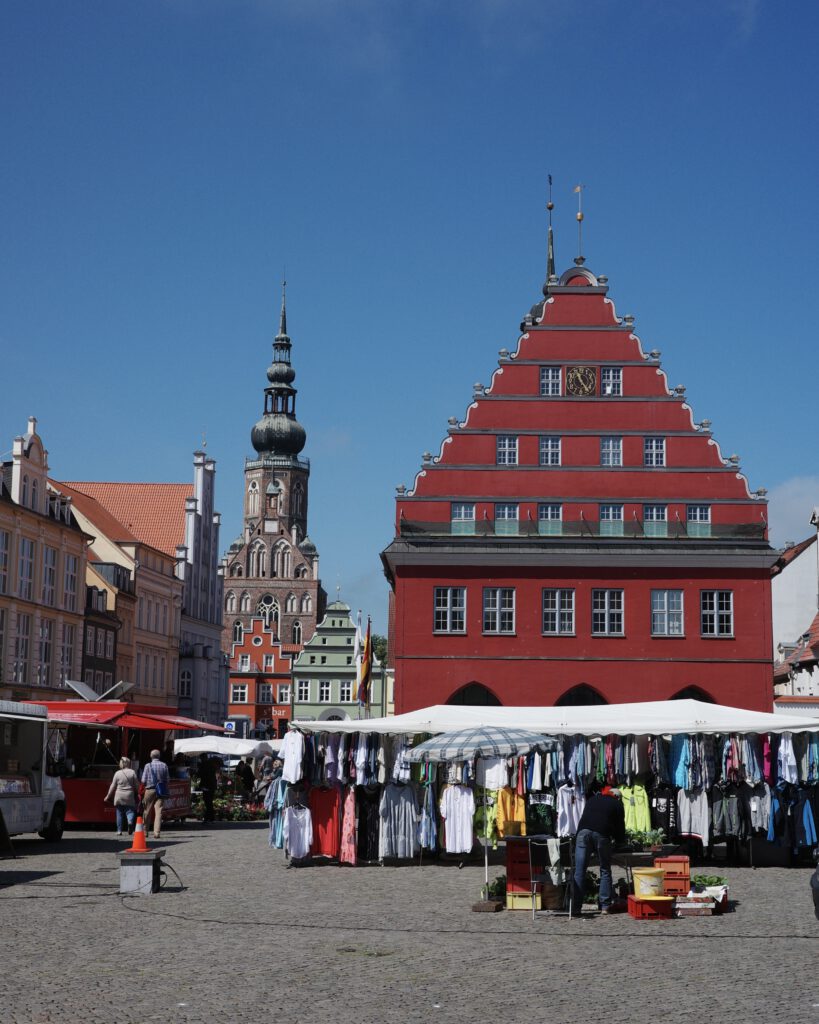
pixel 794 593
pixel 579 538
pixel 260 666
pixel 325 673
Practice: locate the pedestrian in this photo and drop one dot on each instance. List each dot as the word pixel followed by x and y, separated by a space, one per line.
pixel 156 780
pixel 207 783
pixel 245 773
pixel 123 791
pixel 602 822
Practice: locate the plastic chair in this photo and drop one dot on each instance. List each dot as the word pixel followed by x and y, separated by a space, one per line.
pixel 540 844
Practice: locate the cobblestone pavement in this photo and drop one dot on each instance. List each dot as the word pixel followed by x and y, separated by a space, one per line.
pixel 249 939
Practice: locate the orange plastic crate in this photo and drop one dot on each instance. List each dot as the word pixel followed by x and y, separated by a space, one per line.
pixel 676 886
pixel 650 909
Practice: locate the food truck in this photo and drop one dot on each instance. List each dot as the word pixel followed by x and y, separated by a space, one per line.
pixel 31 799
pixel 87 739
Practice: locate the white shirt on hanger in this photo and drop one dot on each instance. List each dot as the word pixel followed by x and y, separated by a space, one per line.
pixel 292 752
pixel 458 810
pixel 491 772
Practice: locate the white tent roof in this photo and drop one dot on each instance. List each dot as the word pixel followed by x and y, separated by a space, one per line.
pixel 654 718
pixel 230 745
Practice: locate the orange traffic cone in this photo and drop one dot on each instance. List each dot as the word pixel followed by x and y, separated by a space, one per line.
pixel 140 846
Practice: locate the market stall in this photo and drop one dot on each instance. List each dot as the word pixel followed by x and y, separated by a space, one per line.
pixel 693 773
pixel 87 739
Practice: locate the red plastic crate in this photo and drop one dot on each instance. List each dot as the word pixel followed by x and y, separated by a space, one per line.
pixel 674 886
pixel 650 909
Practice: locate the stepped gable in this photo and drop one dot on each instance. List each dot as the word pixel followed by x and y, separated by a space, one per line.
pixel 606 385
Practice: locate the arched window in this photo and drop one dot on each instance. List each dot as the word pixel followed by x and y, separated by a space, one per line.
pixel 306 603
pixel 258 560
pixel 35 495
pixel 290 604
pixel 268 608
pixel 580 696
pixel 297 632
pixel 244 604
pixel 238 632
pixel 298 500
pixel 474 693
pixel 24 491
pixel 693 693
pixel 230 602
pixel 253 498
pixel 236 569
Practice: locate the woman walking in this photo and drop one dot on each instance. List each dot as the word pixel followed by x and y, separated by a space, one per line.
pixel 123 789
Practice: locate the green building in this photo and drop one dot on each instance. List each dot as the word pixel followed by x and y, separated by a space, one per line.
pixel 324 673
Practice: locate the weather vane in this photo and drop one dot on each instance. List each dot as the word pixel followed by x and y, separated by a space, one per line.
pixel 580 259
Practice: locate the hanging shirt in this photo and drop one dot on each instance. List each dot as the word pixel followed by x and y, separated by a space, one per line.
pixel 347 847
pixel 292 753
pixel 457 810
pixel 786 759
pixel 398 811
pixel 692 814
pixel 324 807
pixel 570 805
pixel 274 805
pixel 636 807
pixel 298 831
pixel 492 772
pixel 428 824
pixel 511 813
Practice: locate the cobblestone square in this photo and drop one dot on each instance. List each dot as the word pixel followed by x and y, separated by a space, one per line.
pixel 249 939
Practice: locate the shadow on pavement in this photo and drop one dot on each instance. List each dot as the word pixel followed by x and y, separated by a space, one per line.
pixel 9 878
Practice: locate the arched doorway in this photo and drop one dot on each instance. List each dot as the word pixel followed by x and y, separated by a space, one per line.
pixel 474 693
pixel 693 693
pixel 580 696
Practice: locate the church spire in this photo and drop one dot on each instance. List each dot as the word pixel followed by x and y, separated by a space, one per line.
pixel 283 316
pixel 550 247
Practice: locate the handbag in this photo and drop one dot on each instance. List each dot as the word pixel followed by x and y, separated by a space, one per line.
pixel 162 789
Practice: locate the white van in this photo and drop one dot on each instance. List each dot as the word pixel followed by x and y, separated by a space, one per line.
pixel 31 800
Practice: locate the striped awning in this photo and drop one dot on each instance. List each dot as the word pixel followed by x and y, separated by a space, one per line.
pixel 491 741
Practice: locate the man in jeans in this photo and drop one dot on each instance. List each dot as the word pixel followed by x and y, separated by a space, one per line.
pixel 156 780
pixel 603 822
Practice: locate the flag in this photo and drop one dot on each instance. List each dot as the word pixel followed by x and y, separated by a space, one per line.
pixel 365 670
pixel 357 655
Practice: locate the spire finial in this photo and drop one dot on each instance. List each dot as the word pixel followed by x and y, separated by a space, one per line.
pixel 579 259
pixel 283 317
pixel 550 247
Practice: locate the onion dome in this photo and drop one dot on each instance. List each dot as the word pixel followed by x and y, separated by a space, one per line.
pixel 307 547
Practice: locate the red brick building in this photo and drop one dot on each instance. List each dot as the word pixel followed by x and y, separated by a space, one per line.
pixel 259 696
pixel 580 538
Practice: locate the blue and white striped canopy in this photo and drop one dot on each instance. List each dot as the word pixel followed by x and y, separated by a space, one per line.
pixel 485 741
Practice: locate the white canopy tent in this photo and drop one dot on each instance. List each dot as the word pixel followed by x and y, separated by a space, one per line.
pixel 645 718
pixel 226 745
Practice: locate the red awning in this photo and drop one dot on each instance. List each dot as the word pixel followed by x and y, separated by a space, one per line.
pixel 87 715
pixel 137 721
pixel 119 714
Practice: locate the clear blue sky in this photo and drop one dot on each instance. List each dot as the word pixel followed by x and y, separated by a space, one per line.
pixel 163 161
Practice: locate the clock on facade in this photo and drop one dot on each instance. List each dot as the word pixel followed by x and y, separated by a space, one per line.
pixel 581 380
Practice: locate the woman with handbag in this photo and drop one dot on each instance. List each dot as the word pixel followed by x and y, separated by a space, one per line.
pixel 157 781
pixel 123 790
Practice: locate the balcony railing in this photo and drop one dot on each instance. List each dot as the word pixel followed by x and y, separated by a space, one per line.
pixel 583 529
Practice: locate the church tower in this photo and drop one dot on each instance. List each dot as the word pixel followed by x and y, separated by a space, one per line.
pixel 272 569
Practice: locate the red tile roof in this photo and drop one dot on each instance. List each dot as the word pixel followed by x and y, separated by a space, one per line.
pixel 152 513
pixel 805 653
pixel 99 516
pixel 789 554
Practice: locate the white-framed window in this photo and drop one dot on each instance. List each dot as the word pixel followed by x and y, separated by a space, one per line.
pixel 67 654
pixel 654 451
pixel 462 517
pixel 22 649
pixel 5 543
pixel 185 683
pixel 607 612
pixel 268 663
pixel 611 451
pixel 244 603
pixel 345 691
pixel 450 610
pixel 89 640
pixel 303 691
pixel 698 520
pixel 283 696
pixel 101 643
pixel 253 498
pixel 655 520
pixel 70 583
pixel 550 519
pixel 244 662
pixel 549 451
pixel 324 691
pixel 44 654
pixel 506 518
pixel 717 612
pixel 667 613
pixel 238 632
pixel 499 610
pixel 49 576
pixel 611 520
pixel 611 380
pixel 98 681
pixel 264 694
pixel 296 632
pixel 558 611
pixel 507 450
pixel 549 381
pixel 238 693
pixel 230 602
pixel 25 569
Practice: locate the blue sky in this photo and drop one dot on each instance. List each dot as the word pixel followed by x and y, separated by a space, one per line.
pixel 162 162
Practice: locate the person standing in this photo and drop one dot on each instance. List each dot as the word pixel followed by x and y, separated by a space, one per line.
pixel 123 791
pixel 156 780
pixel 602 823
pixel 207 783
